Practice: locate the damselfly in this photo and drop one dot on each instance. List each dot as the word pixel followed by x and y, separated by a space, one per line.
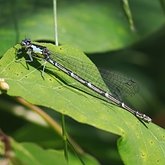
pixel 41 52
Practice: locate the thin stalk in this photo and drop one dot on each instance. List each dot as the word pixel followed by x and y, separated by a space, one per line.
pixel 50 121
pixel 55 22
pixel 65 138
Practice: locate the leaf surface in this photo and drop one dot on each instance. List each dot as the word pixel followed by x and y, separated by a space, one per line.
pixel 58 91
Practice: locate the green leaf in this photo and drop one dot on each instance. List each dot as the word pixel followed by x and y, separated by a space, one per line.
pixel 31 154
pixel 138 141
pixel 141 145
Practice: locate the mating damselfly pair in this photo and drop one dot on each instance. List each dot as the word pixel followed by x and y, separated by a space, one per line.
pixel 34 50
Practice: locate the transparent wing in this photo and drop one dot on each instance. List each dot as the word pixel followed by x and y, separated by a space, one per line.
pixel 118 84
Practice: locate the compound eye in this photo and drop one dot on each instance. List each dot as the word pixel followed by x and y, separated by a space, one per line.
pixel 23 43
pixel 26 42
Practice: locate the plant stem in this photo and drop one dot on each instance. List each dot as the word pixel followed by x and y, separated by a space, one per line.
pixel 51 122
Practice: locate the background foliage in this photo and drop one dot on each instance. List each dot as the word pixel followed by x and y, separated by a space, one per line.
pixel 102 30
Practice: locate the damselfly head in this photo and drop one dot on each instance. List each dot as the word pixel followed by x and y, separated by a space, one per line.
pixel 26 43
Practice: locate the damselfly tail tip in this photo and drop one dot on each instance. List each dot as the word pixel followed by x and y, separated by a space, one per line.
pixel 143 117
